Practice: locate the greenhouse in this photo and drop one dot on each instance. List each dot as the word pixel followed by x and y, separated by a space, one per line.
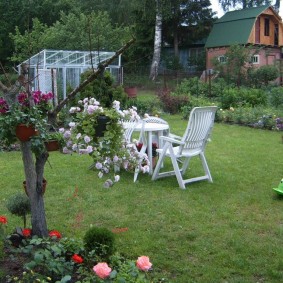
pixel 59 70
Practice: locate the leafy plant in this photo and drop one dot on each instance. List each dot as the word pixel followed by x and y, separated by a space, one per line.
pixel 101 241
pixel 19 205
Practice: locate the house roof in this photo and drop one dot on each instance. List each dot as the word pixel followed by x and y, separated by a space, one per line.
pixel 234 27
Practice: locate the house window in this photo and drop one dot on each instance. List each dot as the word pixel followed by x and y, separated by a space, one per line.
pixel 255 59
pixel 266 26
pixel 222 59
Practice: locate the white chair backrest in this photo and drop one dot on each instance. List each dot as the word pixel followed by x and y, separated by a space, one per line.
pixel 129 127
pixel 199 127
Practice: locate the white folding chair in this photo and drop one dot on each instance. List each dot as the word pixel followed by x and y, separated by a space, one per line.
pixel 193 143
pixel 129 127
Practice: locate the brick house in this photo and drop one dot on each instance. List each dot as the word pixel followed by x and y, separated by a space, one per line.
pixel 258 26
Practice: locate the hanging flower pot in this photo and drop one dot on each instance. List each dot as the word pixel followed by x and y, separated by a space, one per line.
pixel 24 132
pixel 100 128
pixel 44 183
pixel 52 145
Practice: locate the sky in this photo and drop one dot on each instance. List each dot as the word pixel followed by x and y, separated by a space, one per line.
pixel 217 8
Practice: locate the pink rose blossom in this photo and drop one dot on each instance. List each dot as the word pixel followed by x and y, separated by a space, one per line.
pixel 143 263
pixel 102 270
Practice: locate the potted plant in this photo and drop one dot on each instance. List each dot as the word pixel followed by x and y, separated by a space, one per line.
pixel 55 140
pixel 25 119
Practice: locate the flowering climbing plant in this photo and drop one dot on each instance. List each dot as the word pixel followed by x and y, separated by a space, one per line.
pixel 109 151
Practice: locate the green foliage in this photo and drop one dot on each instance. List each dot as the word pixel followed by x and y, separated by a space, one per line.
pixel 234 97
pixel 195 102
pixel 48 258
pixel 235 69
pixel 275 97
pixel 263 75
pixel 19 204
pixel 103 90
pixel 100 240
pixel 256 117
pixel 150 106
pixel 172 102
pixel 70 32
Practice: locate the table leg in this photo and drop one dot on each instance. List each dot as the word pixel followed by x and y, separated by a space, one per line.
pixel 149 151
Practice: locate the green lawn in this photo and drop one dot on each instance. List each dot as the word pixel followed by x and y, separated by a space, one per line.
pixel 227 231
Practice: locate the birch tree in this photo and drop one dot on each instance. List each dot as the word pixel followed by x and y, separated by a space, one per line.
pixel 157 41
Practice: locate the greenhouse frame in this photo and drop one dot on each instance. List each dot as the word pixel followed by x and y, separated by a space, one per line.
pixel 60 70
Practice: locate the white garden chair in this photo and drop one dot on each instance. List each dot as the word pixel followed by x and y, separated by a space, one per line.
pixel 129 127
pixel 193 143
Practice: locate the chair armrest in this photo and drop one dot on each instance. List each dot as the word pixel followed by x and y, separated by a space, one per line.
pixel 174 136
pixel 171 140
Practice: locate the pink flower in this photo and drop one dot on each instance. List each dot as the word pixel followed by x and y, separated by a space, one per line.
pixel 143 263
pixel 102 270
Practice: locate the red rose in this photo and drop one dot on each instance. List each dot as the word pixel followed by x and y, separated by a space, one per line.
pixel 55 233
pixel 3 219
pixel 26 232
pixel 77 259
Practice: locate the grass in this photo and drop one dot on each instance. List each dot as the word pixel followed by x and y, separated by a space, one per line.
pixel 227 231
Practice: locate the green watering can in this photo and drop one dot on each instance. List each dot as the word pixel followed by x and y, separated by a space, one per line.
pixel 279 190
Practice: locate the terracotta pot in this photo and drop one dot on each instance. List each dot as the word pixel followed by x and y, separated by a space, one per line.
pixel 131 91
pixel 24 132
pixel 44 183
pixel 52 145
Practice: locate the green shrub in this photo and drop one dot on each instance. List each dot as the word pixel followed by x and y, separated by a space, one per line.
pixel 103 90
pixel 235 97
pixel 172 102
pixel 263 75
pixel 101 240
pixel 275 97
pixel 19 205
pixel 151 106
pixel 195 102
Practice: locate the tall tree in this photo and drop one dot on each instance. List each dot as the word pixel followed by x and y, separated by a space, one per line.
pixel 157 41
pixel 227 4
pixel 187 22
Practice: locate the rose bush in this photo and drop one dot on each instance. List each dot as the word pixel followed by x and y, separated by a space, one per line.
pixel 110 151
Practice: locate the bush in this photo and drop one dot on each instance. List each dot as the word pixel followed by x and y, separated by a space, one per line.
pixel 275 97
pixel 234 97
pixel 103 90
pixel 100 240
pixel 172 102
pixel 263 75
pixel 150 106
pixel 195 102
pixel 19 205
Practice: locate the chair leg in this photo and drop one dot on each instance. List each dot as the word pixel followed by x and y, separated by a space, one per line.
pixel 177 170
pixel 205 167
pixel 185 165
pixel 159 163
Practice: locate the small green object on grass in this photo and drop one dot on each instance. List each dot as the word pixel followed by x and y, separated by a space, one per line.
pixel 279 190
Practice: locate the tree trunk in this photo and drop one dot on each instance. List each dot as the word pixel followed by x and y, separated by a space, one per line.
pixel 34 177
pixel 157 42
